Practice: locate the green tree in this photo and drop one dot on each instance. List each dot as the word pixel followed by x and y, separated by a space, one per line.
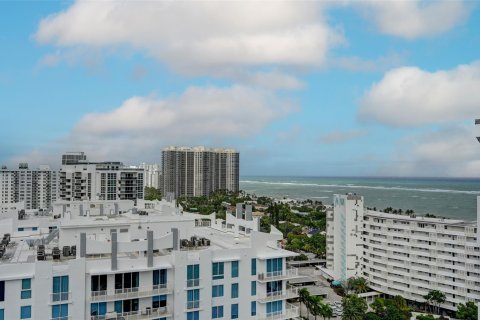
pixel 354 307
pixel 435 298
pixel 303 296
pixel 152 194
pixel 326 311
pixel 468 311
pixel 314 305
pixel 378 306
pixel 371 316
pixel 393 313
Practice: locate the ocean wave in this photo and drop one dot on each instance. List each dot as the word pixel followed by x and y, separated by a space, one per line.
pixel 352 186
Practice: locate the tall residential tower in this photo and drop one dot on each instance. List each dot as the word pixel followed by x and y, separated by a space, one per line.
pixel 37 188
pixel 199 171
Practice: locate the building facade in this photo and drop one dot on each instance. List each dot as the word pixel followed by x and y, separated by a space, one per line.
pixel 407 255
pixel 199 171
pixel 37 188
pixel 84 180
pixel 152 176
pixel 152 262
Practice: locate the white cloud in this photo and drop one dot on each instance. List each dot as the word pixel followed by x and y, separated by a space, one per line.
pixel 138 129
pixel 413 19
pixel 449 152
pixel 342 136
pixel 409 96
pixel 198 36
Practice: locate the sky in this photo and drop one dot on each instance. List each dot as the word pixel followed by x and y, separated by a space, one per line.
pixel 300 88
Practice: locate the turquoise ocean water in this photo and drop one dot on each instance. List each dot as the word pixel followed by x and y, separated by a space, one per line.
pixel 451 198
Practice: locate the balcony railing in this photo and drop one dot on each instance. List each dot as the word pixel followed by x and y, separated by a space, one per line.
pixel 282 274
pixel 58 297
pixel 193 283
pixel 146 314
pixel 193 304
pixel 289 293
pixel 130 293
pixel 290 312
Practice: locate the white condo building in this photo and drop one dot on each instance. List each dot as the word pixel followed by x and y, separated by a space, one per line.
pixel 35 188
pixel 152 175
pixel 84 180
pixel 113 260
pixel 404 255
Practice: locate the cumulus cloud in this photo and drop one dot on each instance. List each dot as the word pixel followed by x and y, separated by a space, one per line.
pixel 449 152
pixel 414 19
pixel 409 96
pixel 198 36
pixel 342 136
pixel 138 128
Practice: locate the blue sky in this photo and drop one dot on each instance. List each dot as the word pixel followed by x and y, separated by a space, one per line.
pixel 357 88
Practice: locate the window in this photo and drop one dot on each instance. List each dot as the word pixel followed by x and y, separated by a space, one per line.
pixel 253 308
pixel 217 270
pixel 274 308
pixel 193 315
pixel 126 280
pixel 193 299
pixel 2 314
pixel 217 312
pixel 193 275
pixel 98 309
pixel 254 266
pixel 2 290
pixel 26 292
pixel 60 288
pixel 274 266
pixel 26 312
pixel 235 311
pixel 253 288
pixel 159 301
pixel 99 283
pixel 234 269
pixel 160 278
pixel 217 291
pixel 21 229
pixel 234 290
pixel 126 305
pixel 34 228
pixel 60 312
pixel 274 288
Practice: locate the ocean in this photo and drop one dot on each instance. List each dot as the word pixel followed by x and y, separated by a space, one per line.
pixel 449 198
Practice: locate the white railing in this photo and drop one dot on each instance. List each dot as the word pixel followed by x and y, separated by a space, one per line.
pixel 290 312
pixel 193 304
pixel 146 314
pixel 193 283
pixel 62 318
pixel 127 293
pixel 289 293
pixel 281 274
pixel 58 297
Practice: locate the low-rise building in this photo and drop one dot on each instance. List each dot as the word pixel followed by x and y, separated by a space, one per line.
pixel 152 261
pixel 404 255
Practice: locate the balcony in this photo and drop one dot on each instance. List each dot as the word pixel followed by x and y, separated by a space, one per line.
pixel 147 314
pixel 290 293
pixel 278 275
pixel 193 304
pixel 130 293
pixel 290 312
pixel 193 283
pixel 60 297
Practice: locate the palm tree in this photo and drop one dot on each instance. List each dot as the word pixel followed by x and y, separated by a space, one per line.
pixel 360 285
pixel 435 298
pixel 326 311
pixel 303 296
pixel 354 307
pixel 314 305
